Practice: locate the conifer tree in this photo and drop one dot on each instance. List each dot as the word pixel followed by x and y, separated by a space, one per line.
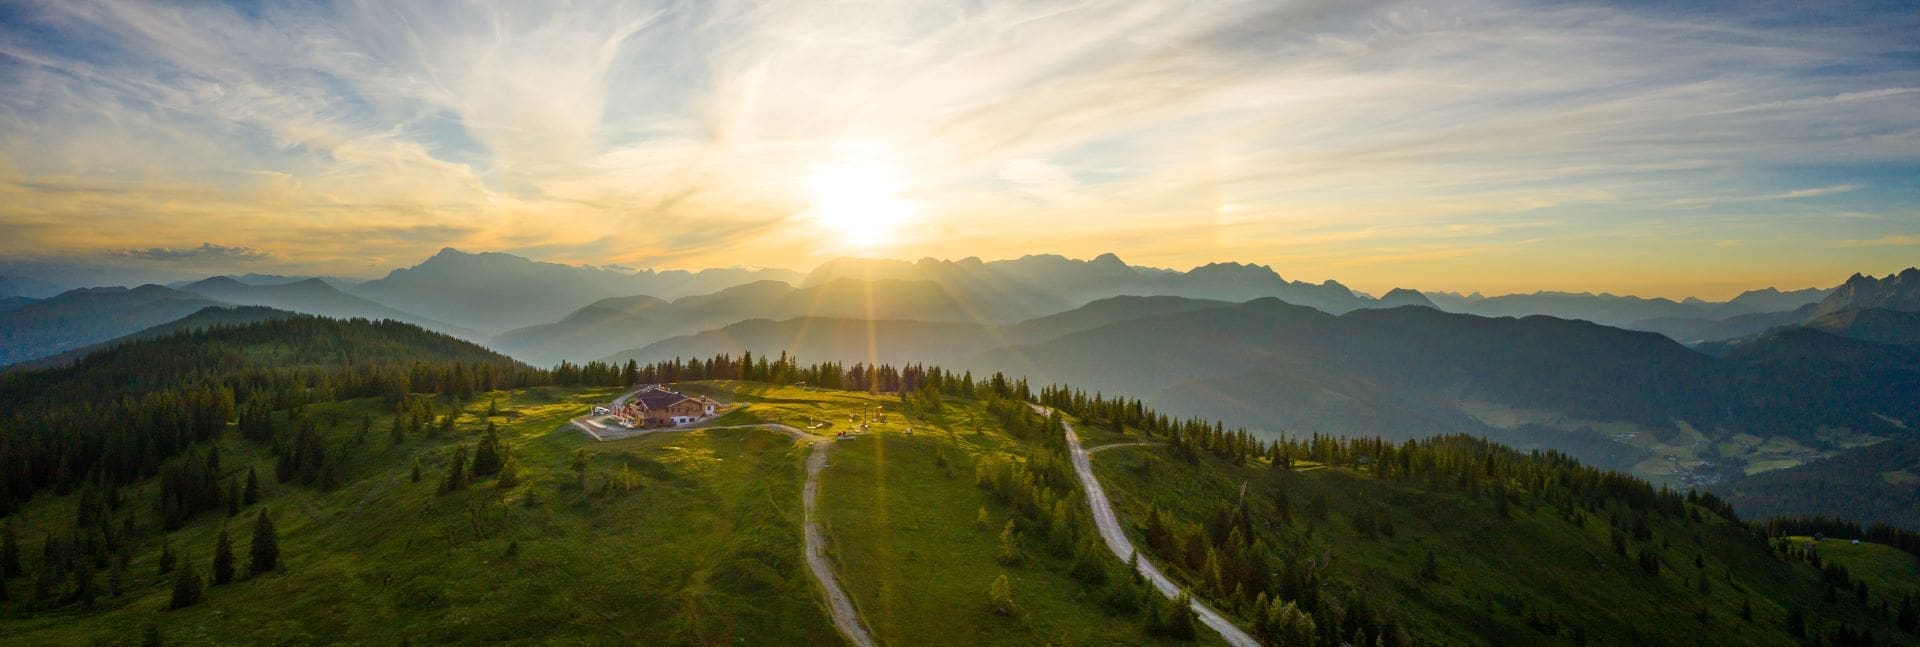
pixel 509 472
pixel 456 478
pixel 416 469
pixel 84 590
pixel 167 557
pixel 1009 547
pixel 222 558
pixel 1179 618
pixel 398 432
pixel 252 494
pixel 10 554
pixel 186 586
pixel 265 551
pixel 487 458
pixel 1000 596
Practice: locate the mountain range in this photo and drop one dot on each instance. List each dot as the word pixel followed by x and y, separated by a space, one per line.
pixel 87 316
pixel 492 292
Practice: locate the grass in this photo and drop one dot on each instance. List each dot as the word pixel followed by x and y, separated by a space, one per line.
pixel 1888 572
pixel 1494 573
pixel 705 550
pixel 899 514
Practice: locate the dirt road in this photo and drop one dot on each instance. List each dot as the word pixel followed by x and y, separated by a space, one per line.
pixel 1116 538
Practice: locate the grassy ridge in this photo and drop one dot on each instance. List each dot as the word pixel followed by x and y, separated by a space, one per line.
pixel 704 549
pixel 900 513
pixel 1498 578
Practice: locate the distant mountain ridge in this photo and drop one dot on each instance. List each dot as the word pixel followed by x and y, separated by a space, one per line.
pixel 86 316
pixel 1043 284
pixel 491 292
pixel 858 340
pixel 311 296
pixel 1895 292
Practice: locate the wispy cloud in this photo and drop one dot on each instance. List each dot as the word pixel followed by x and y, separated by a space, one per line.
pixel 1900 240
pixel 1172 132
pixel 205 254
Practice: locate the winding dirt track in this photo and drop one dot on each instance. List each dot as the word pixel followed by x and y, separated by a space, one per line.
pixel 845 617
pixel 1116 538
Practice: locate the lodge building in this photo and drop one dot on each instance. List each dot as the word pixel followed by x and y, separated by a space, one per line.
pixel 656 406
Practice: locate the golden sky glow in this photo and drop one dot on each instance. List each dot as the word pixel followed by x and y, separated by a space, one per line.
pixel 1493 146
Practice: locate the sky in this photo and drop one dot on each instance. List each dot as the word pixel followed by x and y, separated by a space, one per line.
pixel 1494 146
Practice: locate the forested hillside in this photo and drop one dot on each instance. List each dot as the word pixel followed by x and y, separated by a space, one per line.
pixel 118 414
pixel 279 481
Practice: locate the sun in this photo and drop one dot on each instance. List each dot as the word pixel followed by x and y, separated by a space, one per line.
pixel 859 202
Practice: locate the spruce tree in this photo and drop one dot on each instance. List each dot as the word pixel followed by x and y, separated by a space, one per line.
pixel 487 458
pixel 167 557
pixel 222 558
pixel 265 552
pixel 186 586
pixel 1179 616
pixel 10 554
pixel 1000 596
pixel 456 478
pixel 1430 568
pixel 399 432
pixel 252 494
pixel 83 586
pixel 416 469
pixel 509 472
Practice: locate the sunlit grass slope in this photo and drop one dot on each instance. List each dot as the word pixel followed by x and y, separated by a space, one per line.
pixel 1536 576
pixel 901 513
pixel 702 548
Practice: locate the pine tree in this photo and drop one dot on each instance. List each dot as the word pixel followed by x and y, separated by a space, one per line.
pixel 167 557
pixel 222 558
pixel 416 469
pixel 186 586
pixel 1009 546
pixel 398 432
pixel 493 407
pixel 83 587
pixel 265 552
pixel 487 458
pixel 10 554
pixel 509 473
pixel 456 478
pixel 252 493
pixel 1000 596
pixel 1179 617
pixel 1430 568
